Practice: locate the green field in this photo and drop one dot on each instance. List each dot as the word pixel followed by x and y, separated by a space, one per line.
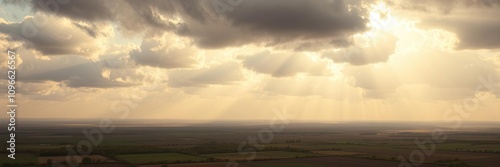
pixel 21 159
pixel 159 158
pixel 261 155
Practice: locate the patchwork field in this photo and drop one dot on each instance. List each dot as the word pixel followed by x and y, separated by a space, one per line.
pixel 335 152
pixel 300 145
pixel 159 158
pixel 61 159
pixel 21 159
pixel 325 162
pixel 261 155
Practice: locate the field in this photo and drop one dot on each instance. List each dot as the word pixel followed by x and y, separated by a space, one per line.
pixel 337 153
pixel 326 162
pixel 261 155
pixel 61 159
pixel 26 159
pixel 159 158
pixel 137 143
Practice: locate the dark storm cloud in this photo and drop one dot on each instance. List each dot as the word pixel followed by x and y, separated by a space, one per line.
pixel 297 18
pixel 277 22
pixel 88 10
pixel 256 21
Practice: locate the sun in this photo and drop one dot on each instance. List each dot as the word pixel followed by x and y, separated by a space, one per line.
pixel 380 18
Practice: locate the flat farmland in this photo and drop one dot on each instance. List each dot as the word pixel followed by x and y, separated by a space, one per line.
pixel 61 159
pixel 261 155
pixel 159 158
pixel 21 159
pixel 324 162
pixel 337 153
pixel 202 164
pixel 299 145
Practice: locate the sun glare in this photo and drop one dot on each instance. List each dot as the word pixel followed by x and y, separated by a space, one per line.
pixel 381 18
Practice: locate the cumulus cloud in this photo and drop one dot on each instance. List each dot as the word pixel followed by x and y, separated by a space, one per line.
pixel 286 64
pixel 71 71
pixel 6 45
pixel 53 36
pixel 253 22
pixel 163 52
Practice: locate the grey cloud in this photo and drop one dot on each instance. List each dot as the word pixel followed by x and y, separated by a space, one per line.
pixel 88 10
pixel 286 65
pixel 55 37
pixel 252 22
pixel 295 18
pixel 70 70
pixel 475 22
pixel 477 33
pixel 279 22
pixel 443 6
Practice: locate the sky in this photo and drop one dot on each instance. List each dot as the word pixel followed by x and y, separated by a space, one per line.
pixel 322 60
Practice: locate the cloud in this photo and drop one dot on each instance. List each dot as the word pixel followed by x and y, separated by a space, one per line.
pixel 286 64
pixel 223 74
pixel 443 6
pixel 71 71
pixel 474 22
pixel 163 52
pixel 278 22
pixel 480 32
pixel 53 36
pixel 374 48
pixel 258 22
pixel 7 45
pixel 79 10
pixel 441 74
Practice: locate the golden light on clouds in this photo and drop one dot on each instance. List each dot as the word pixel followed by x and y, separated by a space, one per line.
pixel 322 60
